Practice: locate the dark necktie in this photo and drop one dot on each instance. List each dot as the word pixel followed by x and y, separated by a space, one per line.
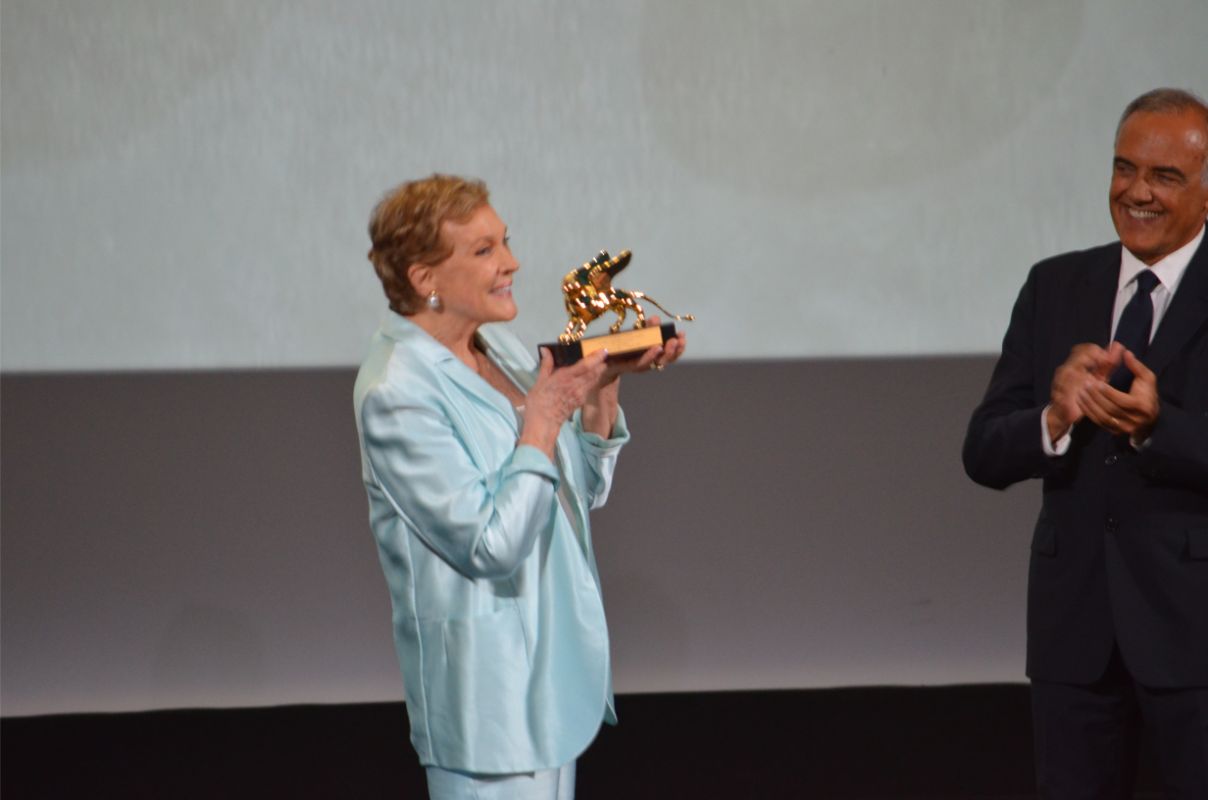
pixel 1135 323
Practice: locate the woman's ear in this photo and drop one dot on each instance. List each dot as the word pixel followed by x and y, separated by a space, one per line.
pixel 420 276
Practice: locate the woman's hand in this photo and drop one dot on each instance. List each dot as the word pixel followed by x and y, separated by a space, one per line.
pixel 602 403
pixel 555 396
pixel 656 358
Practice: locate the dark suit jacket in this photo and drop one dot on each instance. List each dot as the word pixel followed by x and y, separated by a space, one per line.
pixel 1120 550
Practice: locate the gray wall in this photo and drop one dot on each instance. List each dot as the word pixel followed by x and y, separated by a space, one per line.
pixel 200 539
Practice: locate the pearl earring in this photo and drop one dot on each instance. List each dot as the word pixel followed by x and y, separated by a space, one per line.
pixel 433 300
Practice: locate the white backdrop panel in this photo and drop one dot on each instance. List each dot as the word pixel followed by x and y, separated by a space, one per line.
pixel 186 184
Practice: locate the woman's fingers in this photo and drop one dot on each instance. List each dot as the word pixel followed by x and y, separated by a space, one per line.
pixel 674 348
pixel 558 392
pixel 547 364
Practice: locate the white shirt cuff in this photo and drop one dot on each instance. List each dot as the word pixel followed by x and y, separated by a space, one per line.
pixel 1051 448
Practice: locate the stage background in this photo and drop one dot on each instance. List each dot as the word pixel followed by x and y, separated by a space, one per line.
pixel 848 195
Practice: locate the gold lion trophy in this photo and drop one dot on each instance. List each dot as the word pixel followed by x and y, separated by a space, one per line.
pixel 589 293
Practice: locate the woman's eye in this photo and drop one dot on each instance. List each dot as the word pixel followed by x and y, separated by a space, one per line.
pixel 482 251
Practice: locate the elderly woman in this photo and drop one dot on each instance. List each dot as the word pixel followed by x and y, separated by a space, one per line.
pixel 481 466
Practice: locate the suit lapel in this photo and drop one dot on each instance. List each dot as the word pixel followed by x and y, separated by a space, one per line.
pixel 1100 276
pixel 1186 314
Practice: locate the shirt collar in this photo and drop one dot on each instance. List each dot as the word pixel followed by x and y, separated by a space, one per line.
pixel 503 349
pixel 1169 270
pixel 404 331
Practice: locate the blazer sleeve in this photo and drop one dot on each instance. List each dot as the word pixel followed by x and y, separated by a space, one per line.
pixel 1177 450
pixel 600 457
pixel 483 523
pixel 1003 441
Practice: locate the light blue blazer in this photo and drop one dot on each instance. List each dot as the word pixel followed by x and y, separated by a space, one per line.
pixel 498 618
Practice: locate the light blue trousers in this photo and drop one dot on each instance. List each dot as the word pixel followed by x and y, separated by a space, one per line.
pixel 548 784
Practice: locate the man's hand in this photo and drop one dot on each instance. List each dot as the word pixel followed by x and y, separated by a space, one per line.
pixel 1133 414
pixel 1086 363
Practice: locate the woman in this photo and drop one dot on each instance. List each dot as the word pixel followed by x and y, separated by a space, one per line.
pixel 481 467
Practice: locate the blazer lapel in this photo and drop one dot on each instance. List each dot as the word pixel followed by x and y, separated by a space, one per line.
pixel 478 389
pixel 1187 313
pixel 403 330
pixel 514 367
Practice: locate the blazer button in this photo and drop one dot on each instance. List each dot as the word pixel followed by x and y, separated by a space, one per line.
pixel 1112 459
pixel 1111 523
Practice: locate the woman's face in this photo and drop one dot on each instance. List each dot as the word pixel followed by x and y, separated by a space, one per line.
pixel 475 281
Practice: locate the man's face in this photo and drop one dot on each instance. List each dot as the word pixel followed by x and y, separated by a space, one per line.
pixel 1158 196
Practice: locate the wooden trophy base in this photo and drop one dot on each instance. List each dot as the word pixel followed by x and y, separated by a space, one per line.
pixel 617 344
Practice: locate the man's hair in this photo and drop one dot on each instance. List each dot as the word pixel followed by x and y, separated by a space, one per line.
pixel 1169 101
pixel 405 230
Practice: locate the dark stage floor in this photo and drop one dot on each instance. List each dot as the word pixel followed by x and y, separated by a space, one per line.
pixel 934 742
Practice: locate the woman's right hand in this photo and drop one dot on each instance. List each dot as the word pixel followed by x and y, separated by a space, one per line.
pixel 556 395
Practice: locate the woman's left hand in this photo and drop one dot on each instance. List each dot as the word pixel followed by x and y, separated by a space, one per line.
pixel 600 410
pixel 656 358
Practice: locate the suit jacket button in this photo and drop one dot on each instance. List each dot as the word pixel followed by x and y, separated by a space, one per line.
pixel 1112 459
pixel 1111 523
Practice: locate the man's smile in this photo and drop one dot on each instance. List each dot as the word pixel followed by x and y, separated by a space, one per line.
pixel 1140 213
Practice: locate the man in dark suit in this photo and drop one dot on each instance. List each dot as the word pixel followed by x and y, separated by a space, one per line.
pixel 1102 391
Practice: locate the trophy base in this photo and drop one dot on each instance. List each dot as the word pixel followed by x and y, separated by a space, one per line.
pixel 617 344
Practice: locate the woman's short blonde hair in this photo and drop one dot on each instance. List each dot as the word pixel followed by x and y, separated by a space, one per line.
pixel 405 229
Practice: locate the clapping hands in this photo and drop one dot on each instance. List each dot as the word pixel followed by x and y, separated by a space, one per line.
pixel 1081 389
